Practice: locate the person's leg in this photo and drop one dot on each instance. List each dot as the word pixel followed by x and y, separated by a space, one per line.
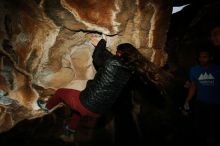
pixel 73 122
pixel 82 112
pixel 71 98
pixel 213 122
pixel 202 124
pixel 66 96
pixel 198 124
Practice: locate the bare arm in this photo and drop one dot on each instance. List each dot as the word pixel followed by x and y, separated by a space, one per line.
pixel 192 92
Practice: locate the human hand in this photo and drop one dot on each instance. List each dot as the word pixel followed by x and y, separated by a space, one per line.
pixel 187 84
pixel 186 106
pixel 95 39
pixel 103 37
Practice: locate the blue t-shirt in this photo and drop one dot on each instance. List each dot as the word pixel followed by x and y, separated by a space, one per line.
pixel 208 83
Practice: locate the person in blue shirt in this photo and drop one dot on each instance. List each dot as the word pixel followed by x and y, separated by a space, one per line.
pixel 205 86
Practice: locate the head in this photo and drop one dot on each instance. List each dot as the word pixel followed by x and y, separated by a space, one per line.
pixel 138 63
pixel 215 35
pixel 128 53
pixel 204 57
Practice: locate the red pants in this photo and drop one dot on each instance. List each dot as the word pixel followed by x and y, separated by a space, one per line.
pixel 71 98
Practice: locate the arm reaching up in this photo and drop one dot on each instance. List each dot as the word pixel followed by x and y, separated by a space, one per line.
pixel 100 54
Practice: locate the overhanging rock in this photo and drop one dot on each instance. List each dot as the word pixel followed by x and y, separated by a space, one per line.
pixel 47 43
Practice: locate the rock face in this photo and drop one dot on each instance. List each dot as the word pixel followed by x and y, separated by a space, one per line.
pixel 187 36
pixel 47 43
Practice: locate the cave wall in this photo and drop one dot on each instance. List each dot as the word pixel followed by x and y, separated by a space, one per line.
pixel 186 36
pixel 48 44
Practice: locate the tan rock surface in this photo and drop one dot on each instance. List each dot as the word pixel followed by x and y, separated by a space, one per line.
pixel 51 46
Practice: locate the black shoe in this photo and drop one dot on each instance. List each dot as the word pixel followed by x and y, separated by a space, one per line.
pixel 68 135
pixel 68 130
pixel 42 104
pixel 67 138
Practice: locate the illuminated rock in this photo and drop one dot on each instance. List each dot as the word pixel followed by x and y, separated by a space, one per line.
pixel 49 44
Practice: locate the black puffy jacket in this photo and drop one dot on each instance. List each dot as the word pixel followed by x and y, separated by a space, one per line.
pixel 112 75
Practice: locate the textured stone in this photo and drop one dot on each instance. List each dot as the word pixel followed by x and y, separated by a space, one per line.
pixel 50 44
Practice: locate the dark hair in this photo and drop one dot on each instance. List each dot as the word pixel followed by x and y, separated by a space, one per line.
pixel 137 62
pixel 207 47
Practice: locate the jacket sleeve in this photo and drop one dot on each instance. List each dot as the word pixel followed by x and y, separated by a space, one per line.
pixel 100 54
